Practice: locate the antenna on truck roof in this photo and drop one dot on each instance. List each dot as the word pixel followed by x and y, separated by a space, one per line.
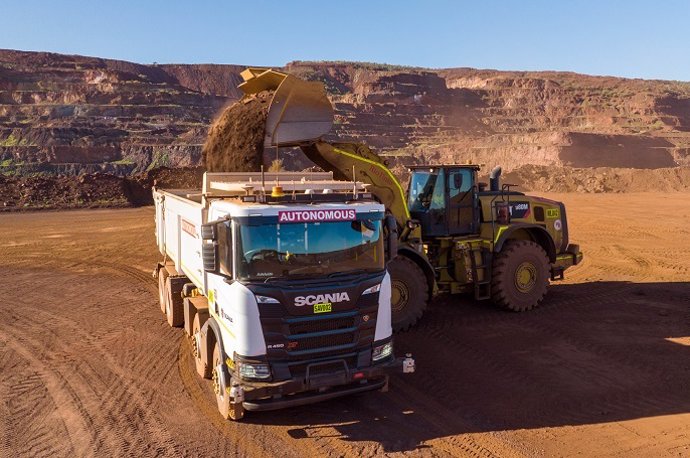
pixel 263 184
pixel 354 183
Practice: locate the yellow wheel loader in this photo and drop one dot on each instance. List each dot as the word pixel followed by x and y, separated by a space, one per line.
pixel 456 235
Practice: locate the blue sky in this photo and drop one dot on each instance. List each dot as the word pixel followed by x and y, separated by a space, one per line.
pixel 643 39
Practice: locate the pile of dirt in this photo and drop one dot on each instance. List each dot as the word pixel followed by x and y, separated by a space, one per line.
pixel 139 186
pixel 235 141
pixel 49 192
pixel 92 190
pixel 598 179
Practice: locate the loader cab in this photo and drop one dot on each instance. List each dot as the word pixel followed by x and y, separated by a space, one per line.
pixel 444 199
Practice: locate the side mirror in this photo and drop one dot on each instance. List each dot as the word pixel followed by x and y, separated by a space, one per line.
pixel 209 256
pixel 457 181
pixel 209 231
pixel 392 241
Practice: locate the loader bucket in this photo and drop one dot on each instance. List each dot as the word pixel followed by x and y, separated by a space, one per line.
pixel 300 111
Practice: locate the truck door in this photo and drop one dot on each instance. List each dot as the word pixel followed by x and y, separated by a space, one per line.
pixel 461 201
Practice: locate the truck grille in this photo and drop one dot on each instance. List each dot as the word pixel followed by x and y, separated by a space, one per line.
pixel 332 340
pixel 294 339
pixel 334 324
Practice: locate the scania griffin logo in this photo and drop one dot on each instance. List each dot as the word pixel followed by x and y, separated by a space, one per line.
pixel 320 299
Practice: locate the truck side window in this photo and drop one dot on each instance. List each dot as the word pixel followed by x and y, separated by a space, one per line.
pixel 225 248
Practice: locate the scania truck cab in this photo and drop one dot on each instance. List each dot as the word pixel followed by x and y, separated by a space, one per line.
pixel 285 295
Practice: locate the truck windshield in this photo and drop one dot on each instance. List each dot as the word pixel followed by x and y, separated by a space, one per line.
pixel 315 248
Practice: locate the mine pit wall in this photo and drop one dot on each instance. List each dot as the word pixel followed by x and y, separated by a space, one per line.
pixel 72 115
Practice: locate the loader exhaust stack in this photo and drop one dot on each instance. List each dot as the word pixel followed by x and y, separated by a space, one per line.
pixel 495 179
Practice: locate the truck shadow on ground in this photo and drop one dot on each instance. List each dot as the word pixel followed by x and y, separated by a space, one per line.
pixel 592 353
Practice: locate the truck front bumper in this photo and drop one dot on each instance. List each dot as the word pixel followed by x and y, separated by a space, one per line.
pixel 297 391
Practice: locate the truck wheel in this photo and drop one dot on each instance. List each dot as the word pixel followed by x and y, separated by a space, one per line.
pixel 162 292
pixel 410 292
pixel 174 305
pixel 226 408
pixel 520 276
pixel 202 367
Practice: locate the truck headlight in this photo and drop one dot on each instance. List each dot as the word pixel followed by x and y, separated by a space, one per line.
pixel 259 371
pixel 266 300
pixel 382 351
pixel 373 289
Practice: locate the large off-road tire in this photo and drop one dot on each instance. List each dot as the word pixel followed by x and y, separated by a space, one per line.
pixel 174 306
pixel 520 275
pixel 202 366
pixel 227 409
pixel 162 292
pixel 410 292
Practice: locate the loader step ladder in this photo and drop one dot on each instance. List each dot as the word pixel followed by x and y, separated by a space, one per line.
pixel 482 288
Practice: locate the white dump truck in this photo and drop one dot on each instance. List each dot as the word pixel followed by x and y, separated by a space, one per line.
pixel 283 289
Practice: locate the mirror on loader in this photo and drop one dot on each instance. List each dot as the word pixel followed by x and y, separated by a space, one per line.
pixel 216 247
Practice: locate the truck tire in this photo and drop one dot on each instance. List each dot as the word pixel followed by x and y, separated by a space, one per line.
pixel 174 306
pixel 227 409
pixel 409 292
pixel 202 366
pixel 520 276
pixel 162 292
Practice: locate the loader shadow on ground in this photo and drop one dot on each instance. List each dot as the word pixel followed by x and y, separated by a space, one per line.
pixel 592 353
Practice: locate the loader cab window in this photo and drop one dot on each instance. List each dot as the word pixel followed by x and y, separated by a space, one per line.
pixel 426 200
pixel 443 200
pixel 459 183
pixel 461 201
pixel 426 191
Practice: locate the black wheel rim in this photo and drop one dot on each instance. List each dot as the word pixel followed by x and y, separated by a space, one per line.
pixel 400 295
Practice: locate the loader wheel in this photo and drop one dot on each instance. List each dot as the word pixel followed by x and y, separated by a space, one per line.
pixel 174 305
pixel 226 408
pixel 520 276
pixel 409 292
pixel 162 292
pixel 202 367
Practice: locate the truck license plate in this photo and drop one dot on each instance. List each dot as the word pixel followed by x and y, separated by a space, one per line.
pixel 323 307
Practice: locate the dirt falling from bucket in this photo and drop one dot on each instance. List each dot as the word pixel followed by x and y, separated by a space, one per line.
pixel 235 141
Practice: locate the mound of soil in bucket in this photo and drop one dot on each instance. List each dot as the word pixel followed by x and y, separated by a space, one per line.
pixel 235 141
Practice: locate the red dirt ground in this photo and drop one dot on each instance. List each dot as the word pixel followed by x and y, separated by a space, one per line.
pixel 90 367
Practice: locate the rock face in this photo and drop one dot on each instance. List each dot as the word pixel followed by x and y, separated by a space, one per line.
pixel 71 115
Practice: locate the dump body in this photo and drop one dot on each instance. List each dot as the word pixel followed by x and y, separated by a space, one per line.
pixel 294 287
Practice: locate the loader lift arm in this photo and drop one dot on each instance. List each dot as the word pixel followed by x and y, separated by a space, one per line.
pixel 344 159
